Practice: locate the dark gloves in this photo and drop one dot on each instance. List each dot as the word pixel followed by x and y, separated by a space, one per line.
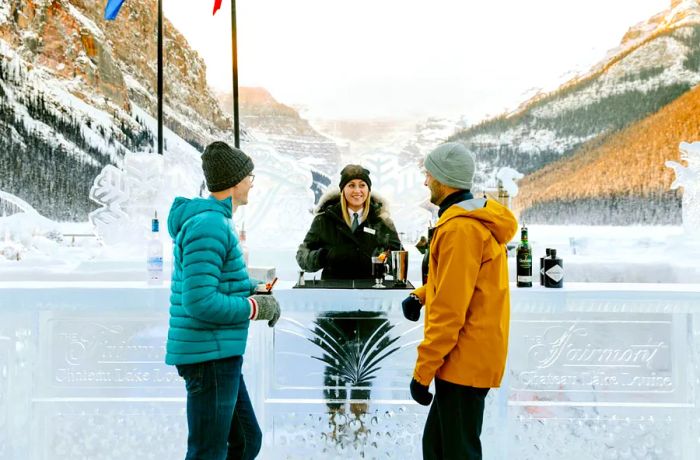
pixel 322 257
pixel 411 307
pixel 336 256
pixel 340 255
pixel 420 393
pixel 268 308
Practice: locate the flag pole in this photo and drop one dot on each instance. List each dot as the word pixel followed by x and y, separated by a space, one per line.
pixel 234 51
pixel 160 77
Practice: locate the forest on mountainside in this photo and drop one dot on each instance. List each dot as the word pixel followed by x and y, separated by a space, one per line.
pixel 44 170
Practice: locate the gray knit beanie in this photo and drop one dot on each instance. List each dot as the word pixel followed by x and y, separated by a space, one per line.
pixel 224 166
pixel 451 164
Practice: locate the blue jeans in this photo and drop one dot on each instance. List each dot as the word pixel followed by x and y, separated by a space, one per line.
pixel 220 417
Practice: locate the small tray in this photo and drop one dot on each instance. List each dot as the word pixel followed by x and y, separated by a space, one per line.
pixel 351 284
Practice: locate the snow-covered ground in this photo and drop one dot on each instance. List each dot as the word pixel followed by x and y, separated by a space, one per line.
pixel 635 254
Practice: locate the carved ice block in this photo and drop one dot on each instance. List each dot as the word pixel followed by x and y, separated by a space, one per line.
pixel 607 358
pixel 105 355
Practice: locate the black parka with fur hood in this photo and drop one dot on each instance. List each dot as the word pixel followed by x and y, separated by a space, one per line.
pixel 343 254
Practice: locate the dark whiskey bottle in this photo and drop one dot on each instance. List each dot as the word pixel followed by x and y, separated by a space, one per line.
pixel 548 255
pixel 524 261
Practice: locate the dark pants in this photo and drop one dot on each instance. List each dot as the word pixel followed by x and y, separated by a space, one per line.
pixel 220 417
pixel 453 426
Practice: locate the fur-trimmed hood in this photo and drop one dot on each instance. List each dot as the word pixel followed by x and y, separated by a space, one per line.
pixel 343 253
pixel 332 197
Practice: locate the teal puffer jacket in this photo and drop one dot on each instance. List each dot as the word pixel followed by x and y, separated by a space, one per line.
pixel 209 309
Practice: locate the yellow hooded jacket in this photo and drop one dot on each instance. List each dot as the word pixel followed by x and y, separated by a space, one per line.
pixel 467 298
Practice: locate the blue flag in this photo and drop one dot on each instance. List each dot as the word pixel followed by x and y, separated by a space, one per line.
pixel 112 9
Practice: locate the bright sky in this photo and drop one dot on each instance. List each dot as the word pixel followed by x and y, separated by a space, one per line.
pixel 405 58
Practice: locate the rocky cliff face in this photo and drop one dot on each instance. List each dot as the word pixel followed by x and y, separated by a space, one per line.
pixel 268 121
pixel 78 92
pixel 113 63
pixel 55 36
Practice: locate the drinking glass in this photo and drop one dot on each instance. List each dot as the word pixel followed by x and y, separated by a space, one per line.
pixel 378 272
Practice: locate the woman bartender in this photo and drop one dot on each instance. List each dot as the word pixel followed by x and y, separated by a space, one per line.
pixel 350 227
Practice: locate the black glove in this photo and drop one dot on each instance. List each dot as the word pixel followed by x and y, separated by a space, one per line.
pixel 411 307
pixel 323 257
pixel 268 308
pixel 420 393
pixel 340 255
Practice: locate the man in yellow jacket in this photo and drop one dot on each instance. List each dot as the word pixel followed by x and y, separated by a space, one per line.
pixel 467 307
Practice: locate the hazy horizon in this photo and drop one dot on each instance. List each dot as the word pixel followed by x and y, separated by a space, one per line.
pixel 394 59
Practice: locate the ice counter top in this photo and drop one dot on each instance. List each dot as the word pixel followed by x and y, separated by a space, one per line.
pixel 603 370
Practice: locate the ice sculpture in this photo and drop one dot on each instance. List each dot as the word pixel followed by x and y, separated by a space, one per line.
pixel 110 190
pixel 18 203
pixel 123 194
pixel 277 214
pixel 507 176
pixel 25 229
pixel 129 195
pixel 400 184
pixel 688 177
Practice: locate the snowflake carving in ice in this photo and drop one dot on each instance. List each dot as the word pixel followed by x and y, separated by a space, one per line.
pixel 129 196
pixel 110 190
pixel 144 178
pixel 688 177
pixel 508 176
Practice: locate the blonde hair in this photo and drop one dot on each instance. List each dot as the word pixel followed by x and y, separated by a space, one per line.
pixel 344 207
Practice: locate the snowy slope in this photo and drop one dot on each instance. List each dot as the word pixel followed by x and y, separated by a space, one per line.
pixel 75 91
pixel 655 63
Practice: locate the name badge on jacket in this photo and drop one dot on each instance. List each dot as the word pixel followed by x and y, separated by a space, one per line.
pixel 371 231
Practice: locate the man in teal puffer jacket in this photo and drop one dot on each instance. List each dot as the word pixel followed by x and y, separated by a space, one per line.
pixel 211 304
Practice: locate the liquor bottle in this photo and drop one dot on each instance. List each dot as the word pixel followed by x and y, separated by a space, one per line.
pixel 154 257
pixel 553 271
pixel 548 255
pixel 242 240
pixel 426 256
pixel 524 261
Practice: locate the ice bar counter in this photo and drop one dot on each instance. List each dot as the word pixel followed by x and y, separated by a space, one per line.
pixel 595 371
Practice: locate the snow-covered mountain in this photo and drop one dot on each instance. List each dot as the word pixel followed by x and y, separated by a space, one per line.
pixel 656 62
pixel 281 126
pixel 72 87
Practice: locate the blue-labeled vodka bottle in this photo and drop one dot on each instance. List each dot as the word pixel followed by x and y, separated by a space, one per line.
pixel 154 259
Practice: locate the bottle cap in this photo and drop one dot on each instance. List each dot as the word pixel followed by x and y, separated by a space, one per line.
pixel 553 253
